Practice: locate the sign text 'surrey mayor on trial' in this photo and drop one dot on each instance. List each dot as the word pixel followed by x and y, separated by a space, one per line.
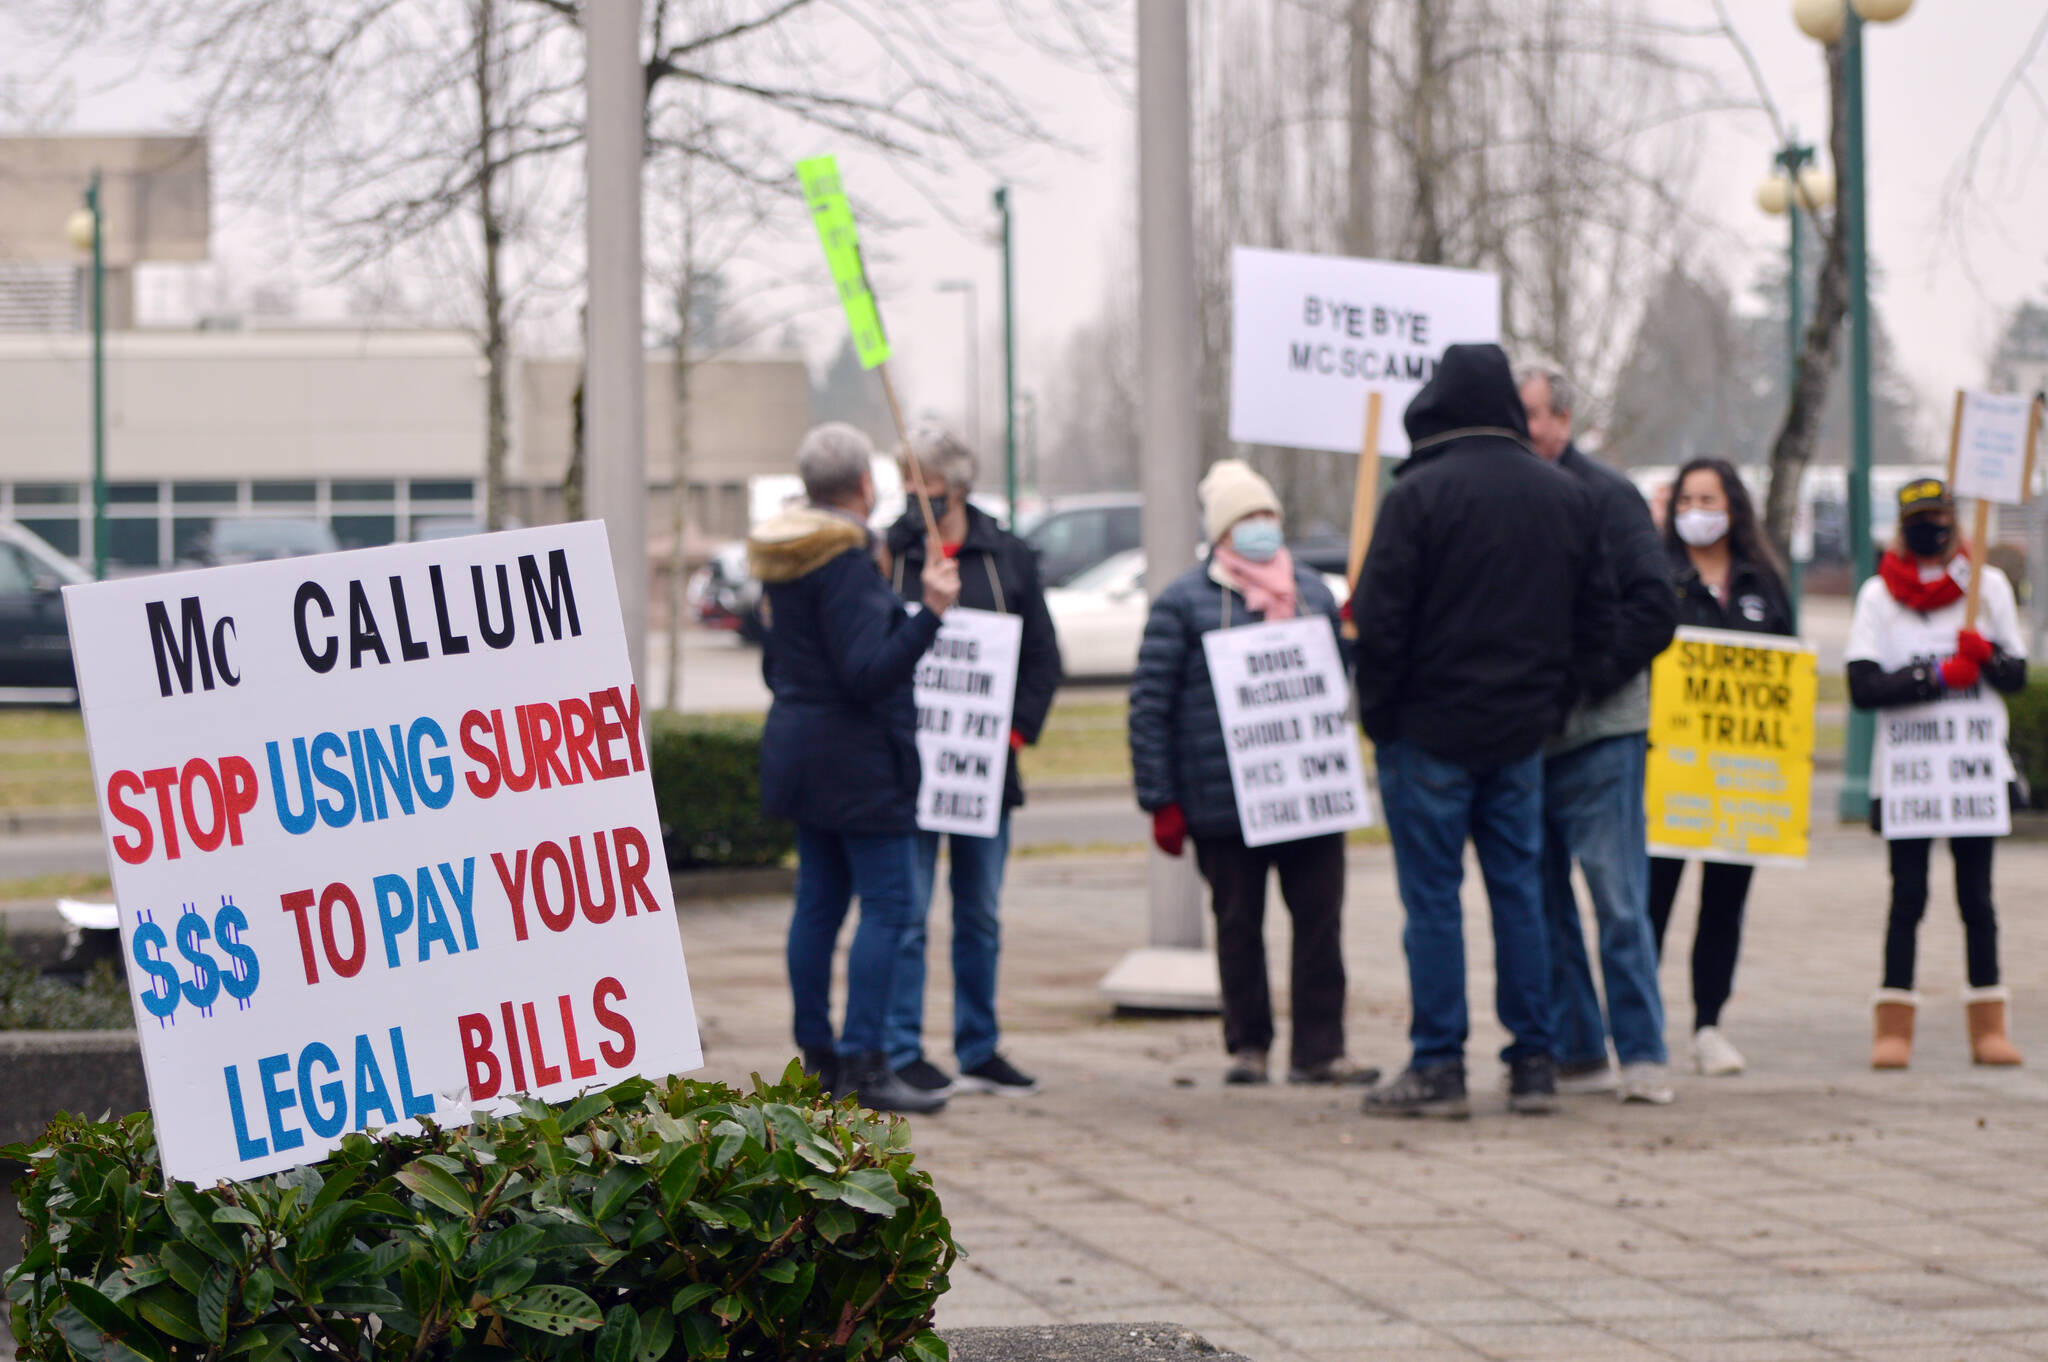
pixel 383 840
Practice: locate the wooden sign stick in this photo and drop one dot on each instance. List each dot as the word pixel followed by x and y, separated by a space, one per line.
pixel 916 478
pixel 1365 498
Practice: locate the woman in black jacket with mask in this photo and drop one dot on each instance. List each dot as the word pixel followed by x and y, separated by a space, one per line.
pixel 1727 578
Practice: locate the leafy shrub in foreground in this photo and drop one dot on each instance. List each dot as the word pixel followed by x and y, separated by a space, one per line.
pixel 679 1220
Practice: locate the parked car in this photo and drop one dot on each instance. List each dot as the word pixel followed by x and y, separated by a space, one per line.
pixel 1074 534
pixel 258 539
pixel 35 645
pixel 726 596
pixel 1099 615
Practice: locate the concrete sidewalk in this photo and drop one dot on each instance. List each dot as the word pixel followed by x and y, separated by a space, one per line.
pixel 1808 1210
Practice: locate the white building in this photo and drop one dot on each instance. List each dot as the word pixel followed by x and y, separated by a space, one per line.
pixel 371 431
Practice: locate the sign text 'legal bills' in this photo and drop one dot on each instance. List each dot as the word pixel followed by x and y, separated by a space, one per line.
pixel 1731 748
pixel 966 692
pixel 1294 762
pixel 1943 767
pixel 383 840
pixel 1312 334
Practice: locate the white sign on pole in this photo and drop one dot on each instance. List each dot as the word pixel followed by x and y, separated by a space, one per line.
pixel 1991 448
pixel 1310 334
pixel 383 840
pixel 1943 769
pixel 1282 695
pixel 966 689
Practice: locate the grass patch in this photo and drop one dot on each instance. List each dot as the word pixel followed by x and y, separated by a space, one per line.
pixel 42 760
pixel 1080 742
pixel 1834 688
pixel 68 884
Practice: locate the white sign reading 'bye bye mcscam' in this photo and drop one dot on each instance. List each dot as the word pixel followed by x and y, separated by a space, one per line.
pixel 1311 335
pixel 383 838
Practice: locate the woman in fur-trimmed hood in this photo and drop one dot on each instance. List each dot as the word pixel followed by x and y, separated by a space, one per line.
pixel 839 752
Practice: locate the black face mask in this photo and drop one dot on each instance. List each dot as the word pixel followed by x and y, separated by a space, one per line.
pixel 940 503
pixel 1927 539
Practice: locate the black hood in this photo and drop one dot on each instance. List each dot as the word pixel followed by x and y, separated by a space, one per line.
pixel 1472 392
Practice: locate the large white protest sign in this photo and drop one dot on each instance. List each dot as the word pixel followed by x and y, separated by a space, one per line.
pixel 1991 448
pixel 1282 695
pixel 966 689
pixel 1311 334
pixel 1943 768
pixel 383 840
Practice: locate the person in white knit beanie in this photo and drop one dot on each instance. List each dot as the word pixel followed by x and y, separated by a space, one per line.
pixel 1230 491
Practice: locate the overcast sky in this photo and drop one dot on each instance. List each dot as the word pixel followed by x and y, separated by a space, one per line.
pixel 1931 81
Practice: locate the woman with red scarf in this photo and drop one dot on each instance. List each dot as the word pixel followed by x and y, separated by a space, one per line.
pixel 1908 648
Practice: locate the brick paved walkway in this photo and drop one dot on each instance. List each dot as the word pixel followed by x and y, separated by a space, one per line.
pixel 1808 1210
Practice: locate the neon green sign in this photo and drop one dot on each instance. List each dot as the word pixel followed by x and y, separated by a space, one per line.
pixel 834 218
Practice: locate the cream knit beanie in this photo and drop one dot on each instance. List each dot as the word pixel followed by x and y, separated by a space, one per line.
pixel 1230 492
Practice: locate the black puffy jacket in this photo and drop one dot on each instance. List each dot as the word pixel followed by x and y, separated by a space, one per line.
pixel 998 572
pixel 839 750
pixel 1484 609
pixel 1756 599
pixel 1178 754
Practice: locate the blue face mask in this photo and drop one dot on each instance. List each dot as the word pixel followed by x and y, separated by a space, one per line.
pixel 1258 540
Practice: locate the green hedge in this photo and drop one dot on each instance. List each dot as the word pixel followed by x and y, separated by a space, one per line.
pixel 679 1220
pixel 707 787
pixel 2029 711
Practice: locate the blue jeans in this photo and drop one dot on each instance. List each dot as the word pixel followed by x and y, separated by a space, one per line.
pixel 1593 813
pixel 1432 807
pixel 976 881
pixel 831 868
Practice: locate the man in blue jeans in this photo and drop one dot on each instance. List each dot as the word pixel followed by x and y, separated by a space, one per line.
pixel 1481 612
pixel 999 573
pixel 839 755
pixel 1593 790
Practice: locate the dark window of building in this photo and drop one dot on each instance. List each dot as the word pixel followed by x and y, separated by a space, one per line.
pixel 62 535
pixel 132 493
pixel 384 490
pixel 133 542
pixel 269 492
pixel 46 494
pixel 365 531
pixel 203 493
pixel 444 490
pixel 187 534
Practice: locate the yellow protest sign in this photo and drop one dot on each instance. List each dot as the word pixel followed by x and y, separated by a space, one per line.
pixel 833 216
pixel 1731 748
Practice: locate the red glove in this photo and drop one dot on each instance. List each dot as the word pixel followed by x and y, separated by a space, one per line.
pixel 1016 741
pixel 1344 613
pixel 1959 673
pixel 1170 830
pixel 1974 646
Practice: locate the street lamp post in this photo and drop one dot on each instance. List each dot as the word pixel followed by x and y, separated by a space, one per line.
pixel 1009 360
pixel 973 412
pixel 88 234
pixel 1797 189
pixel 1831 22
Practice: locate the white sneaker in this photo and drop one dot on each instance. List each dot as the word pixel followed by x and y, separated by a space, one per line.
pixel 1584 1081
pixel 1648 1083
pixel 1713 1055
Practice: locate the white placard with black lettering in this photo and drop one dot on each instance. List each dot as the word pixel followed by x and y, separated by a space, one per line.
pixel 1283 698
pixel 1942 769
pixel 1312 334
pixel 966 690
pixel 383 840
pixel 1991 448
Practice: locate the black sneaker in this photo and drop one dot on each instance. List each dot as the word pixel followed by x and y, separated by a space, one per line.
pixel 1341 1072
pixel 869 1080
pixel 925 1076
pixel 1438 1090
pixel 1247 1067
pixel 1532 1085
pixel 996 1075
pixel 822 1065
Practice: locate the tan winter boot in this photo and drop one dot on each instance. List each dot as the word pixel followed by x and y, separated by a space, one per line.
pixel 1985 1008
pixel 1894 1010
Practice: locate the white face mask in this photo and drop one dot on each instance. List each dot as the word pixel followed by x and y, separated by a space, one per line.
pixel 1701 528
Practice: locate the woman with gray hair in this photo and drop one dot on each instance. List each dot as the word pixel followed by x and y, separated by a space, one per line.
pixel 839 754
pixel 998 572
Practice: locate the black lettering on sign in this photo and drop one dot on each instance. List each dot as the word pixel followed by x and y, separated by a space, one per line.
pixel 190 648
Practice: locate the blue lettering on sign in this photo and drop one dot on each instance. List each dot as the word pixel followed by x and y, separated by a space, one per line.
pixel 310 1087
pixel 168 989
pixel 389 772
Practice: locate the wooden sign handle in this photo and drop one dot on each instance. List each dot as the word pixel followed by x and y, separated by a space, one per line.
pixel 1979 532
pixel 1365 499
pixel 916 478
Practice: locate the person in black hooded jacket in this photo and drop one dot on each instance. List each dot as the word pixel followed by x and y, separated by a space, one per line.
pixel 1482 613
pixel 998 573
